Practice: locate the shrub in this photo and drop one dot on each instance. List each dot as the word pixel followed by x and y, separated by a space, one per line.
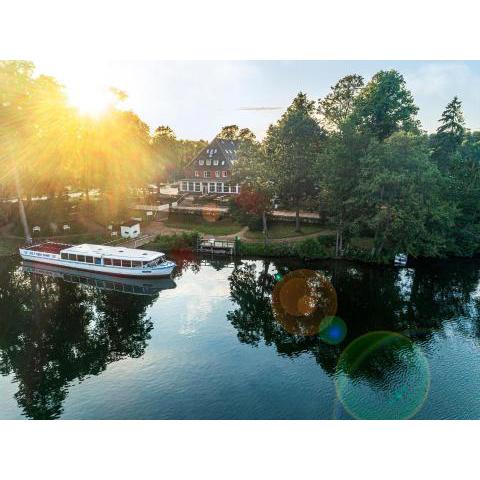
pixel 310 249
pixel 184 240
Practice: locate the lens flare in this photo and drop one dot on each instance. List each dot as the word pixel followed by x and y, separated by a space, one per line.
pixel 210 213
pixel 382 375
pixel 301 300
pixel 332 330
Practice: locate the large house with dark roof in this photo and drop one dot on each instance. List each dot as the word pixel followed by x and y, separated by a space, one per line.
pixel 211 170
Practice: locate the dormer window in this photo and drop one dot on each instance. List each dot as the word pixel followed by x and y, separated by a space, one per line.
pixel 209 162
pixel 201 162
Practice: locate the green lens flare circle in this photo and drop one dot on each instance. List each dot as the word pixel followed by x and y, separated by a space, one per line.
pixel 382 375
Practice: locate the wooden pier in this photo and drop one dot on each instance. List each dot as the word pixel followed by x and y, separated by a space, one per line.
pixel 216 247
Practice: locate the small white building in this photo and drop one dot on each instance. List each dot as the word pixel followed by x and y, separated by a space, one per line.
pixel 130 229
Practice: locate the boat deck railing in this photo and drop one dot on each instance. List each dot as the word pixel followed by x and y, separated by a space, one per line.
pixel 213 246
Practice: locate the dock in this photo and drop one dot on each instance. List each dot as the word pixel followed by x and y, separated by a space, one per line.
pixel 216 247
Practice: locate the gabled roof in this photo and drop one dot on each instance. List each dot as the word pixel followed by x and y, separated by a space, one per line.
pixel 218 149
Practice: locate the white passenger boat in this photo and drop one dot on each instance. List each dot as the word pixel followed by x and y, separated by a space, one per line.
pixel 117 261
pixel 100 281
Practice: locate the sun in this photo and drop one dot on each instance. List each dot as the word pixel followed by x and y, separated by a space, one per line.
pixel 88 98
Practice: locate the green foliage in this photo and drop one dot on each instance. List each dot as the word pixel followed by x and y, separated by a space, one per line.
pixel 450 135
pixel 385 106
pixel 400 192
pixel 181 241
pixel 311 248
pixel 291 148
pixel 308 249
pixel 337 106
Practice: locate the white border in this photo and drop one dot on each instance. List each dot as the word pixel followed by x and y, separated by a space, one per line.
pixel 251 29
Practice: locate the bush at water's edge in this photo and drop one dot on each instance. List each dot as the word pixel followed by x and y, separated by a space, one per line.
pixel 308 249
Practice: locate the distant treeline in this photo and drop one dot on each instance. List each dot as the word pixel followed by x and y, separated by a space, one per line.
pixel 360 156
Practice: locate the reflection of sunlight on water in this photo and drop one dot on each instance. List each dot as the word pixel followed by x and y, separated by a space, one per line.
pixel 203 297
pixel 382 375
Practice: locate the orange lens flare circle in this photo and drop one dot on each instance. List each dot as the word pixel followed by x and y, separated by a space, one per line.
pixel 301 300
pixel 210 213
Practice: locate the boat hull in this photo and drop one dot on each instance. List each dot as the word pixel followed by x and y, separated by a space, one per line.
pixel 101 281
pixel 55 260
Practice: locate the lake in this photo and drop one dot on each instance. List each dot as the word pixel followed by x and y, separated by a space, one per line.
pixel 243 339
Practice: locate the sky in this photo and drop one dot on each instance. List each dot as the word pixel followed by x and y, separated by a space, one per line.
pixel 197 98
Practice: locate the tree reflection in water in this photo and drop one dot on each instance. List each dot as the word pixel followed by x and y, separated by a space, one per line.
pixel 416 303
pixel 53 332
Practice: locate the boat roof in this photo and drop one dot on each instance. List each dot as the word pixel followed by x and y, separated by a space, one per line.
pixel 114 252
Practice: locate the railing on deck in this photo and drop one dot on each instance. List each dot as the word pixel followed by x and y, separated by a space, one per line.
pixel 213 246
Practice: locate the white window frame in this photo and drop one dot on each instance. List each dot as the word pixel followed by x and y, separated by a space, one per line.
pixel 211 187
pixel 217 173
pixel 197 173
pixel 219 187
pixel 184 186
pixel 224 173
pixel 215 161
pixel 198 187
pixel 206 174
pixel 201 162
pixel 208 162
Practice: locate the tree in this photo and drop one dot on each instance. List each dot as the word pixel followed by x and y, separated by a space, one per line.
pixel 385 106
pixel 229 132
pixel 337 106
pixel 291 147
pixel 164 143
pixel 449 135
pixel 234 132
pixel 400 190
pixel 337 167
pixel 252 170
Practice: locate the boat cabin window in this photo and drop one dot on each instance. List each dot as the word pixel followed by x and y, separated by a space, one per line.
pixel 98 261
pixel 107 261
pixel 72 256
pixel 136 264
pixel 155 261
pixel 80 258
pixel 117 263
pixel 64 256
pixel 127 263
pixel 89 259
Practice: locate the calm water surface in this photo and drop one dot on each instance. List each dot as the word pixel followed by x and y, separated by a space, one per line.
pixel 208 344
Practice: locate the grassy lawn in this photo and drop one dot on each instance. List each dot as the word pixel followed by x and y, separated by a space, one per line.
pixel 287 230
pixel 222 226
